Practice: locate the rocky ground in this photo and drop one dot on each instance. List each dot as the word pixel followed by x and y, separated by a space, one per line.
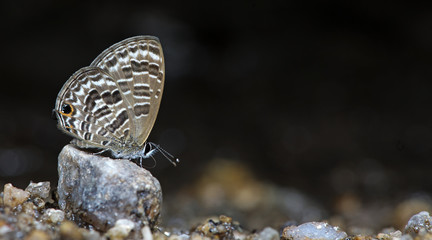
pixel 100 198
pixel 33 214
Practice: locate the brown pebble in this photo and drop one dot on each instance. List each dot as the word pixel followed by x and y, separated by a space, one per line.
pixel 217 229
pixel 69 230
pixel 37 235
pixel 28 208
pixel 13 196
pixel 25 222
pixel 225 219
pixel 360 237
pixel 38 202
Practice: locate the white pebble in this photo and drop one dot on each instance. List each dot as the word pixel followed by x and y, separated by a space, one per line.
pixel 121 229
pixel 54 215
pixel 314 230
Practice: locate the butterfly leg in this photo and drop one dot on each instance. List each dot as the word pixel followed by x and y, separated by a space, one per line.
pixel 100 152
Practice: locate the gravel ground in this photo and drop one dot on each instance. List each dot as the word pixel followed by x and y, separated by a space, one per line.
pixel 226 202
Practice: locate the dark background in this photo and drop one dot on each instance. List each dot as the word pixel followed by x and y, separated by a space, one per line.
pixel 327 97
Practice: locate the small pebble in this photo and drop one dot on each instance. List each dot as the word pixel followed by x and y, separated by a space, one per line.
pixel 69 230
pixel 121 229
pixel 28 208
pixel 392 235
pixel 198 236
pixel 225 219
pixel 182 236
pixel 25 222
pixel 38 202
pixel 408 208
pixel 91 235
pixel 146 233
pixel 53 215
pixel 219 229
pixel 40 189
pixel 37 235
pixel 13 196
pixel 268 233
pixel 418 223
pixel 5 228
pixel 313 230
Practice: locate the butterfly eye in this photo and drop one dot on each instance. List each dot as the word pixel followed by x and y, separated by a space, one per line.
pixel 66 109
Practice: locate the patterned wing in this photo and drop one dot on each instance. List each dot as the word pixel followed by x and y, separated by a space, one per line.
pixel 90 108
pixel 137 66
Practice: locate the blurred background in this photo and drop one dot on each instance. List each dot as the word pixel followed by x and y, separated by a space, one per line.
pixel 329 100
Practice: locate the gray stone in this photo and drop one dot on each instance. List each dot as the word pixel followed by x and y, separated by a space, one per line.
pixel 313 230
pixel 419 223
pixel 99 191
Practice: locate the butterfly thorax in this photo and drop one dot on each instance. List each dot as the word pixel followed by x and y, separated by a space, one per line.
pixel 130 149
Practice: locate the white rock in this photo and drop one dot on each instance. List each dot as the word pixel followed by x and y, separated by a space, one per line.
pixel 313 230
pixel 40 189
pixel 421 222
pixel 121 229
pixel 268 233
pixel 54 215
pixel 146 233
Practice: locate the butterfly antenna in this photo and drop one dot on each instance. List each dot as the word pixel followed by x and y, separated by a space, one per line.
pixel 166 154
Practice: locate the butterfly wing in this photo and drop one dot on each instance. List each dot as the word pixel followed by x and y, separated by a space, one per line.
pixel 138 69
pixel 89 107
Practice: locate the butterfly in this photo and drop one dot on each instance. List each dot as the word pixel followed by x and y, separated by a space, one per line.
pixel 112 104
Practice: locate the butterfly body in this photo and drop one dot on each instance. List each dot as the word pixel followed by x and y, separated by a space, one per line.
pixel 113 103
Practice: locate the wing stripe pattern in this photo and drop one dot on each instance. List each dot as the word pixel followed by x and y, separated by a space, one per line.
pixel 137 65
pixel 94 119
pixel 114 102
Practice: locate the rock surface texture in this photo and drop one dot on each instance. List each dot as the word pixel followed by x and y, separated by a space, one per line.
pixel 99 191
